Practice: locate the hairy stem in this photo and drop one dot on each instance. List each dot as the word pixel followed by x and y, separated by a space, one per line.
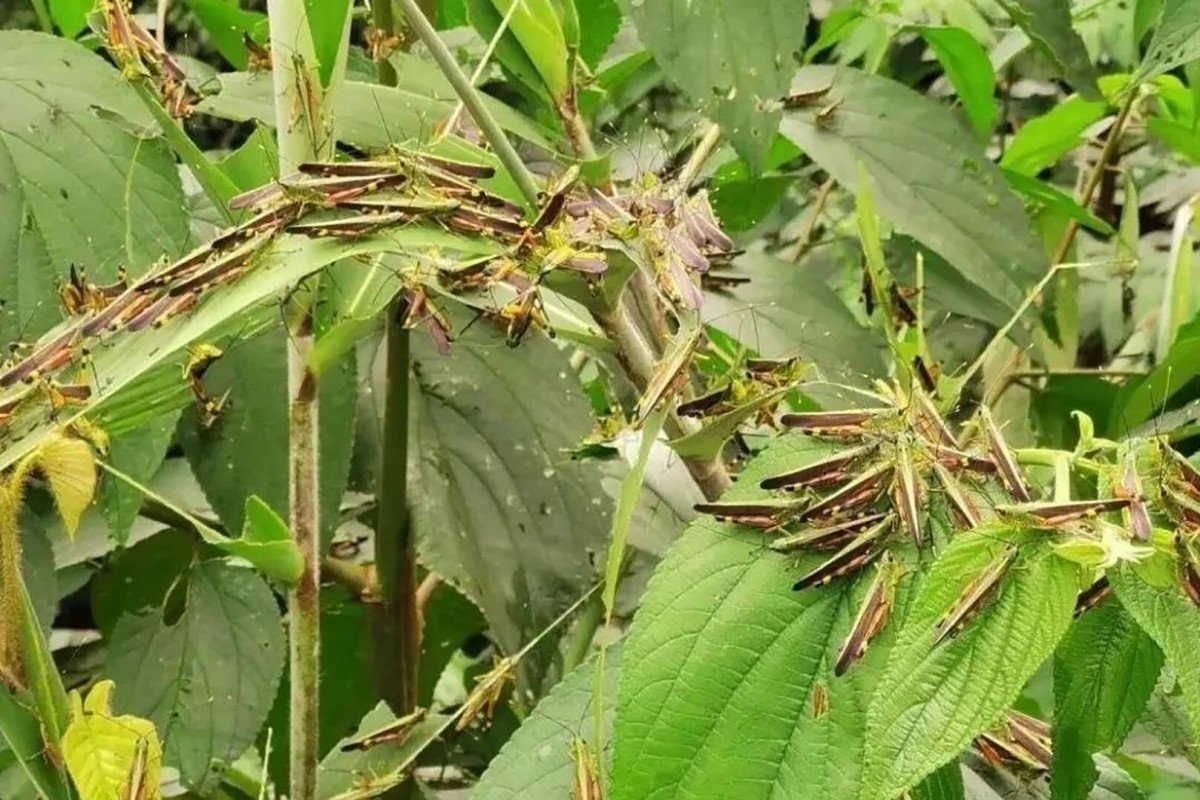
pixel 471 99
pixel 304 130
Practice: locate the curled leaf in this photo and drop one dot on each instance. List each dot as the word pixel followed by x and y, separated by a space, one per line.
pixel 70 470
pixel 111 757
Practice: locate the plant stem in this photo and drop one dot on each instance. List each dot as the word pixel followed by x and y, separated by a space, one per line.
pixel 304 131
pixel 471 99
pixel 818 206
pixel 1089 189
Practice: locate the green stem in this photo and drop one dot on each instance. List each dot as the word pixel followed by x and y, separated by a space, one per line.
pixel 43 15
pixel 304 131
pixel 385 23
pixel 212 179
pixel 579 642
pixel 471 99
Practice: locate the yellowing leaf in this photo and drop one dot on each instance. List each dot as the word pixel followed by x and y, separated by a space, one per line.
pixel 111 758
pixel 70 469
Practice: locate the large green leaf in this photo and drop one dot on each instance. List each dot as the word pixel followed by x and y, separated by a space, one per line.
pixel 327 22
pixel 245 451
pixel 734 57
pixel 1176 39
pixel 502 510
pixel 84 177
pixel 928 175
pixel 226 23
pixel 205 674
pixel 364 773
pixel 1104 672
pixel 599 21
pixel 1044 140
pixel 933 700
pixel 785 311
pixel 722 646
pixel 969 71
pixel 536 761
pixel 1048 24
pixel 1171 620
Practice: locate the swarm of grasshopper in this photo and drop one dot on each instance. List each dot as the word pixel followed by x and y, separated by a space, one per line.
pixel 898 465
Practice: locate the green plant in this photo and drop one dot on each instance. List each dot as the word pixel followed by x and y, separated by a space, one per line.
pixel 357 395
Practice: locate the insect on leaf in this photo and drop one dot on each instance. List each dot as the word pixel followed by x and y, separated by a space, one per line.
pixel 111 757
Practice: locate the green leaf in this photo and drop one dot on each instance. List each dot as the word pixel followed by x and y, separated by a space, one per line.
pixel 1048 24
pixel 1171 620
pixel 733 57
pixel 1179 136
pixel 138 454
pixel 536 25
pixel 1176 39
pixel 946 783
pixel 245 451
pixel 327 22
pixel 266 539
pixel 741 201
pixel 21 734
pixel 508 52
pixel 969 71
pixel 722 645
pixel 226 24
pixel 450 618
pixel 1140 398
pixel 140 577
pixel 70 16
pixel 207 677
pixel 1044 140
pixel 709 441
pixel 783 311
pixel 928 176
pixel 536 761
pixel 1056 200
pixel 87 178
pixel 1104 672
pixel 933 700
pixel 501 509
pixel 599 21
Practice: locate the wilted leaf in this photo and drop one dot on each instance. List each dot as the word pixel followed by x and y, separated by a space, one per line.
pixel 70 470
pixel 928 176
pixel 735 58
pixel 502 510
pixel 1048 24
pixel 969 72
pixel 1104 672
pixel 206 674
pixel 104 752
pixel 933 699
pixel 536 761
